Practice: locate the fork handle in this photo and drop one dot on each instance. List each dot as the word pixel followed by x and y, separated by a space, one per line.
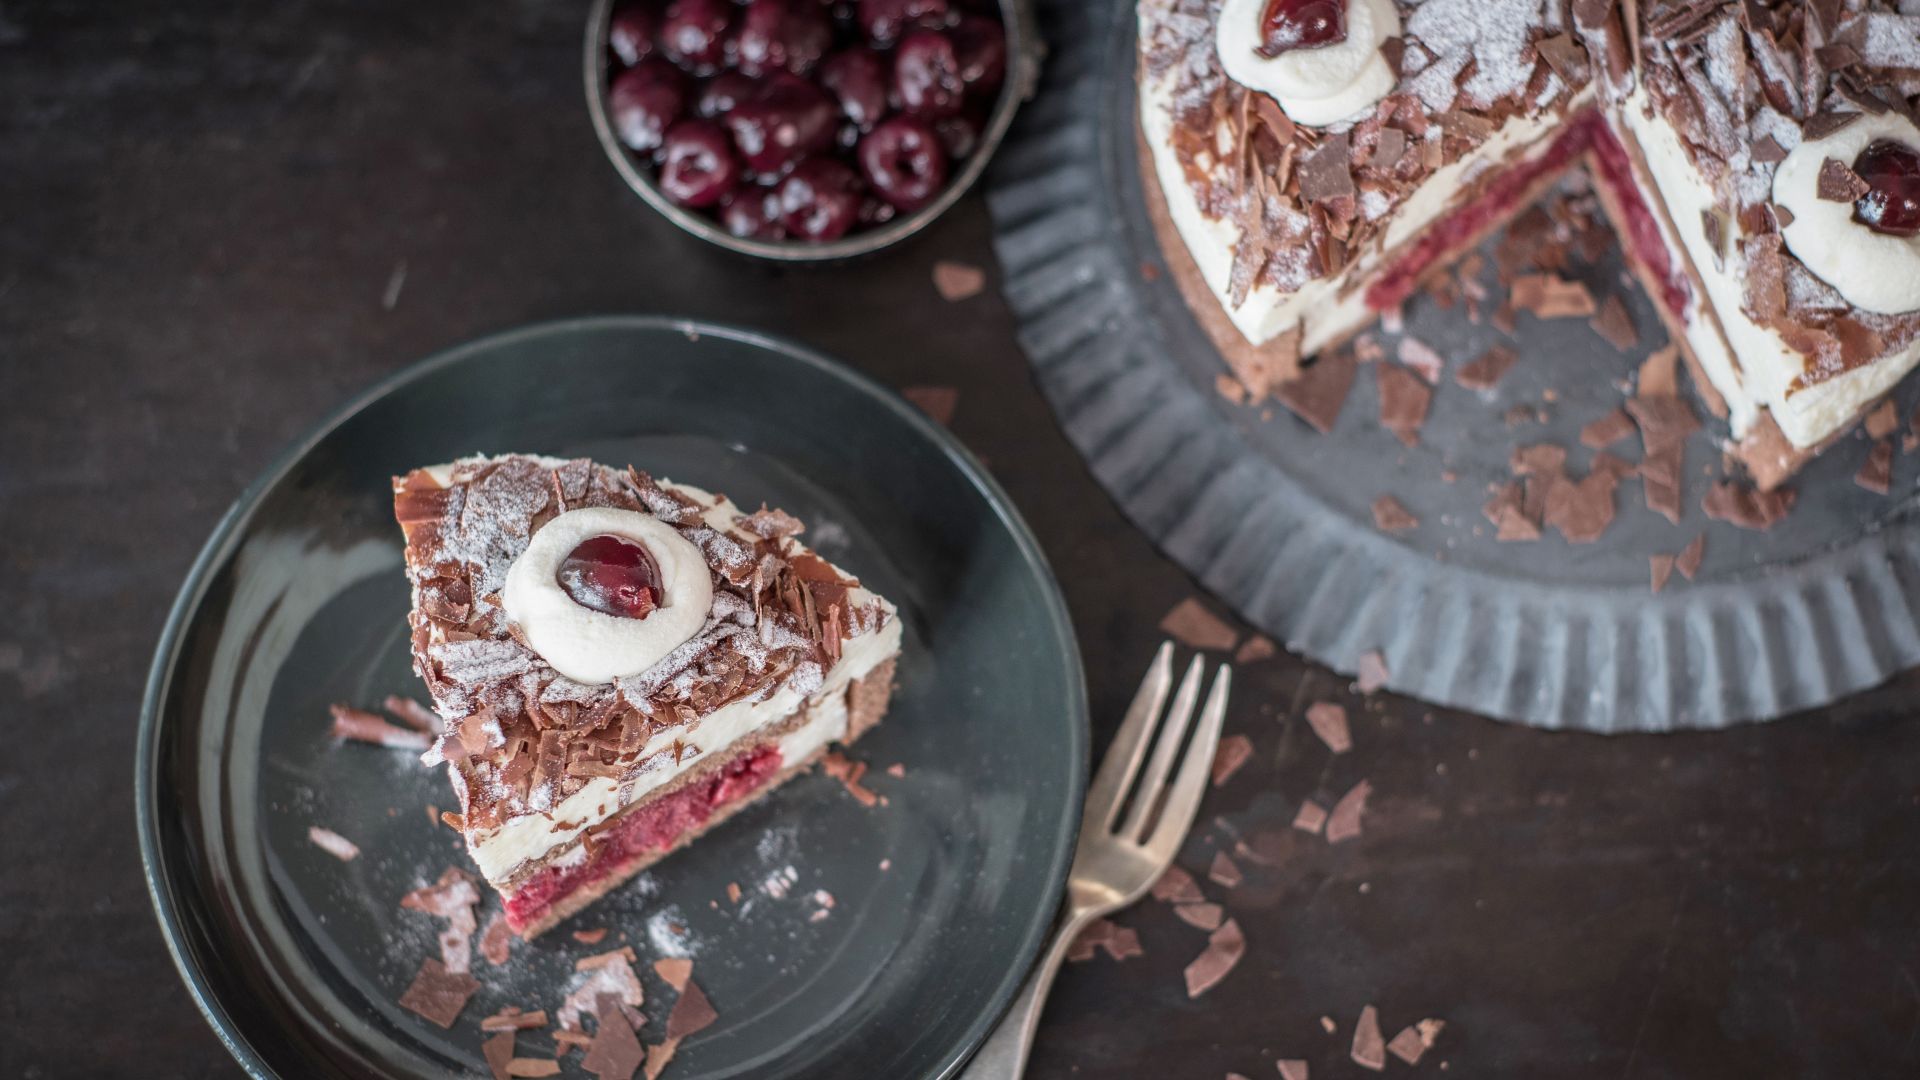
pixel 1004 1055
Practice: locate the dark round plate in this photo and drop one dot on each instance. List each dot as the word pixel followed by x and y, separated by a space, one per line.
pixel 1276 519
pixel 940 898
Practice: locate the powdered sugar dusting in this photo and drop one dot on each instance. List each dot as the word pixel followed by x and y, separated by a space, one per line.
pixel 667 931
pixel 1493 34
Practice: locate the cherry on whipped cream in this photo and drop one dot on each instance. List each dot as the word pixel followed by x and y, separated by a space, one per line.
pixel 1892 202
pixel 1301 24
pixel 612 575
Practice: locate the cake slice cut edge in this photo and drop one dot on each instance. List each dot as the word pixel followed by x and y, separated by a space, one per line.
pixel 568 788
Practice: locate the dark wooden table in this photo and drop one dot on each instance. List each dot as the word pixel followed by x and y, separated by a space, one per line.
pixel 218 220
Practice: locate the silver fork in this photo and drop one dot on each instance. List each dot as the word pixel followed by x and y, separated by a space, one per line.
pixel 1118 859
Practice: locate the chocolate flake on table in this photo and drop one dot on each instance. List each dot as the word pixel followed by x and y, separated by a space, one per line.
pixel 1343 822
pixel 674 971
pixel 615 1051
pixel 1255 649
pixel 1230 388
pixel 496 941
pixel 1688 561
pixel 1883 421
pixel 938 402
pixel 1581 510
pixel 1660 568
pixel 1838 183
pixel 1372 673
pixel 1422 358
pixel 1404 399
pixel 1225 947
pixel 1369 1048
pixel 848 772
pixel 1176 886
pixel 1876 474
pixel 1507 511
pixel 1318 392
pixel 1614 323
pixel 512 1019
pixel 1390 516
pixel 1607 430
pixel 533 1067
pixel 1311 818
pixel 1292 1069
pixel 1745 507
pixel 1329 721
pixel 1223 872
pixel 439 994
pixel 1233 752
pixel 1119 942
pixel 1660 481
pixel 1659 375
pixel 691 1014
pixel 1538 459
pixel 590 937
pixel 1550 296
pixel 956 281
pixel 363 726
pixel 1487 371
pixel 452 899
pixel 412 713
pixel 1191 624
pixel 897 770
pixel 333 843
pixel 498 1051
pixel 1204 916
pixel 659 1056
pixel 1414 1040
pixel 1123 943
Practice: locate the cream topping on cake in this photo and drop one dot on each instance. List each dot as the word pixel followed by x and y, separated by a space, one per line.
pixel 1316 86
pixel 1874 271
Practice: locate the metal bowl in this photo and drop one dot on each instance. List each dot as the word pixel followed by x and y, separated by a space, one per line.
pixel 1025 52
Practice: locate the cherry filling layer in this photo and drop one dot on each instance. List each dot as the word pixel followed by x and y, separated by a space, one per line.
pixel 653 828
pixel 1500 199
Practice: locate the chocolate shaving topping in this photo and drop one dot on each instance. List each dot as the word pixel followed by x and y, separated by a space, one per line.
pixel 1329 721
pixel 498 1051
pixel 1176 886
pixel 1607 430
pixel 1225 947
pixel 1327 173
pixel 1390 516
pixel 1567 58
pixel 1343 822
pixel 1838 183
pixel 1318 392
pixel 1311 817
pixel 1745 507
pixel 1767 151
pixel 1688 561
pixel 1485 372
pixel 691 1014
pixel 1876 474
pixel 1369 1049
pixel 1204 916
pixel 1233 752
pixel 1387 150
pixel 1826 124
pixel 1191 624
pixel 1404 399
pixel 439 994
pixel 1223 872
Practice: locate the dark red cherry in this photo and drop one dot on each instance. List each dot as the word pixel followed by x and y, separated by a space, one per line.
pixel 698 167
pixel 858 78
pixel 782 34
pixel 883 21
pixel 632 33
pixel 612 575
pixel 1892 202
pixel 959 135
pixel 820 200
pixel 1302 24
pixel 904 162
pixel 752 213
pixel 693 34
pixel 980 44
pixel 644 101
pixel 926 75
pixel 720 94
pixel 787 119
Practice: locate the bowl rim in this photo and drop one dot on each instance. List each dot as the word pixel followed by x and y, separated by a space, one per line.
pixel 1025 54
pixel 227 532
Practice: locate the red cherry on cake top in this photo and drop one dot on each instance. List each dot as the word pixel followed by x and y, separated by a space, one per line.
pixel 612 575
pixel 1302 24
pixel 1892 202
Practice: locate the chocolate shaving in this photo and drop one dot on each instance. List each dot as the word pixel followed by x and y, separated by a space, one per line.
pixel 1838 183
pixel 658 1057
pixel 1387 150
pixel 1292 1069
pixel 1688 561
pixel 1664 421
pixel 1318 392
pixel 674 970
pixel 1658 373
pixel 1747 508
pixel 1310 817
pixel 771 524
pixel 1225 947
pixel 1404 399
pixel 1607 430
pixel 590 937
pixel 1204 916
pixel 1413 1041
pixel 439 994
pixel 938 402
pixel 1422 358
pixel 1485 372
pixel 1550 296
pixel 533 1067
pixel 363 726
pixel 333 843
pixel 1390 516
pixel 1369 1048
pixel 496 940
pixel 1581 510
pixel 1539 459
pixel 956 281
pixel 1343 822
pixel 1255 649
pixel 1191 624
pixel 1223 872
pixel 1567 58
pixel 1372 673
pixel 512 1019
pixel 1661 568
pixel 1176 886
pixel 691 1014
pixel 413 714
pixel 1876 474
pixel 615 1052
pixel 848 772
pixel 1883 421
pixel 1327 172
pixel 1615 324
pixel 1660 480
pixel 1233 752
pixel 1507 511
pixel 1824 125
pixel 1329 722
pixel 499 1054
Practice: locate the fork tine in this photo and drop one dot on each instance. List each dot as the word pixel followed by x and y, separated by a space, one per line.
pixel 1183 802
pixel 1129 744
pixel 1165 745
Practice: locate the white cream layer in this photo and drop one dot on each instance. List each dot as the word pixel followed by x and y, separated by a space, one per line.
pixel 531 836
pixel 1766 367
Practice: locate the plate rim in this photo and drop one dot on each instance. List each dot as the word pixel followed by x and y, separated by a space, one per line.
pixel 219 547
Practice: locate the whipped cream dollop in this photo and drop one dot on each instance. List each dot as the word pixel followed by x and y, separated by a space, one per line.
pixel 1315 86
pixel 591 646
pixel 1873 271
